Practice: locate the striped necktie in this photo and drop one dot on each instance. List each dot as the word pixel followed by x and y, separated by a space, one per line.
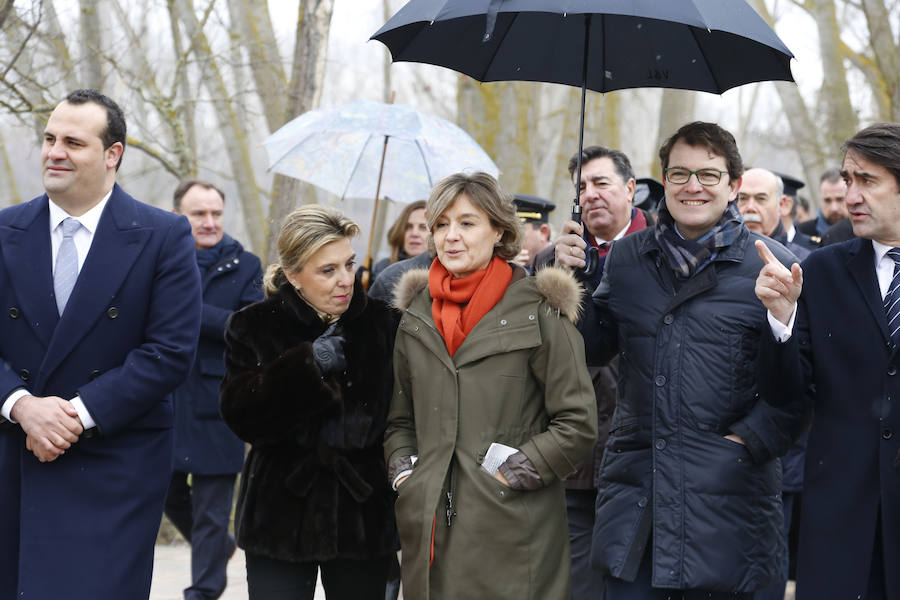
pixel 66 271
pixel 892 299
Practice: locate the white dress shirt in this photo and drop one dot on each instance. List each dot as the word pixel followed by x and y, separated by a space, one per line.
pixel 884 272
pixel 83 238
pixel 618 237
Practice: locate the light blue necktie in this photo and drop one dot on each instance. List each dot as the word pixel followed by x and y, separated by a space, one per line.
pixel 66 271
pixel 892 299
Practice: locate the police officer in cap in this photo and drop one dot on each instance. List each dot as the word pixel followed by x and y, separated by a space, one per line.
pixel 791 187
pixel 533 212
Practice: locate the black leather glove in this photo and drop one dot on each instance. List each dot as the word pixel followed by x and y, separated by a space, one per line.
pixel 328 350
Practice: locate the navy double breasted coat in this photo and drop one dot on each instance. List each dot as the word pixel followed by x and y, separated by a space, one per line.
pixel 84 525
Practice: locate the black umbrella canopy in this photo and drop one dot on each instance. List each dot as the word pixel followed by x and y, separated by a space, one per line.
pixel 702 45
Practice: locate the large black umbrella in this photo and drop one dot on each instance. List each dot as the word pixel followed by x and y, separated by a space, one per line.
pixel 602 45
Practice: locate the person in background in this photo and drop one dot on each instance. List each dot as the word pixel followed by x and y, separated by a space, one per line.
pixel 802 210
pixel 763 203
pixel 832 204
pixel 407 237
pixel 791 195
pixel 307 383
pixel 492 407
pixel 534 213
pixel 205 448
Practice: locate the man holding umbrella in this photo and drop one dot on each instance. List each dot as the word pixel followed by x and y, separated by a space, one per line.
pixel 688 503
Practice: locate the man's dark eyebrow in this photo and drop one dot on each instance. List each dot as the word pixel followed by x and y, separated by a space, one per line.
pixel 859 175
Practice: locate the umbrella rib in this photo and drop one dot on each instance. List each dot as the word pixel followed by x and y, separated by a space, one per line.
pixel 500 43
pixel 705 59
pixel 355 167
pixel 424 162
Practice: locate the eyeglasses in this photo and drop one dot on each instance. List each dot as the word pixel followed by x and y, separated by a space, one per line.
pixel 707 177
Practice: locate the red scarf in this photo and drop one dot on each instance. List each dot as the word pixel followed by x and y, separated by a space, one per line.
pixel 479 292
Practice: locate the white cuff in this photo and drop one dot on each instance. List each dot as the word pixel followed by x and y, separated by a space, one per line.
pixel 400 476
pixel 86 420
pixel 780 331
pixel 6 409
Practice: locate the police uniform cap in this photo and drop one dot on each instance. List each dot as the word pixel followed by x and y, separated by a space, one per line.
pixel 791 184
pixel 647 193
pixel 531 209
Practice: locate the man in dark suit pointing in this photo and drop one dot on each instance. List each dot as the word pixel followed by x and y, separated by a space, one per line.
pixel 843 333
pixel 100 296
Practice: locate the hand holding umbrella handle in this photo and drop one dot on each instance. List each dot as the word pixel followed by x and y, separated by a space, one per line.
pixel 592 256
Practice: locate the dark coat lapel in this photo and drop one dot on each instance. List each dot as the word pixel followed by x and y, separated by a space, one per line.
pixel 117 243
pixel 861 263
pixel 26 250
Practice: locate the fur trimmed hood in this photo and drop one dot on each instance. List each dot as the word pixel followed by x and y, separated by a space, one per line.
pixel 557 286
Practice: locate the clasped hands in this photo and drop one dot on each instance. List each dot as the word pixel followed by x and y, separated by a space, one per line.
pixel 51 425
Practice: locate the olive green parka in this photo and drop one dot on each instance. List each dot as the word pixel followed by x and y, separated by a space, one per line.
pixel 519 379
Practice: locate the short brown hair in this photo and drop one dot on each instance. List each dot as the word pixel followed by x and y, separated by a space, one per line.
pixel 484 192
pixel 304 232
pixel 183 188
pixel 397 233
pixel 711 136
pixel 878 144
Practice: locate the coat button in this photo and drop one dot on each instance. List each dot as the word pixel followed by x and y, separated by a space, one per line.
pixel 887 433
pixel 14 312
pixel 237 260
pixel 503 321
pixel 642 502
pixel 660 444
pixel 669 319
pixel 660 380
pixel 94 374
pixel 25 374
pixel 892 370
pixel 113 312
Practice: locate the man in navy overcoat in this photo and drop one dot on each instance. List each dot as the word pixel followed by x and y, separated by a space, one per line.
pixel 844 332
pixel 205 447
pixel 101 313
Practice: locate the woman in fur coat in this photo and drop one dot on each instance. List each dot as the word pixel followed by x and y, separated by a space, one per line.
pixel 308 384
pixel 489 371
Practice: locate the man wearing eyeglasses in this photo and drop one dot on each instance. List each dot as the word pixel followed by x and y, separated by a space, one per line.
pixel 688 504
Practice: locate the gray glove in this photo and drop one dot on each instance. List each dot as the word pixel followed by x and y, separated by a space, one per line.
pixel 328 350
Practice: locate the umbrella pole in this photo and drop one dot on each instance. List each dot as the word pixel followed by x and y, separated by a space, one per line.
pixel 591 256
pixel 368 261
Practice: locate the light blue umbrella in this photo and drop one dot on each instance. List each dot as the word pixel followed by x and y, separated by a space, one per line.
pixel 368 149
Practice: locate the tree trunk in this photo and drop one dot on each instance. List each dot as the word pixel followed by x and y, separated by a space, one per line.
pixel 11 194
pixel 388 93
pixel 307 77
pixel 251 18
pixel 90 30
pixel 886 54
pixel 839 119
pixel 233 129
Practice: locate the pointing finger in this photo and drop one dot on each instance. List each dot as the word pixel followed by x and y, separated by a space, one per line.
pixel 766 255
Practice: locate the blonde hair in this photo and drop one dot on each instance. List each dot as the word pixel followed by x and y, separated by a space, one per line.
pixel 485 193
pixel 396 235
pixel 304 232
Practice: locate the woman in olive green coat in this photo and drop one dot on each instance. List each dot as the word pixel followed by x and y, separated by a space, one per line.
pixel 485 355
